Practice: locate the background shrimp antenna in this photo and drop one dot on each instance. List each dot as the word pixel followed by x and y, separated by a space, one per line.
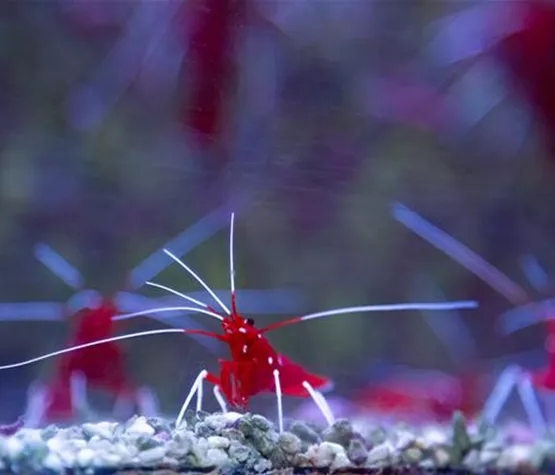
pixel 182 244
pixel 448 325
pixel 534 272
pixel 59 266
pixel 460 253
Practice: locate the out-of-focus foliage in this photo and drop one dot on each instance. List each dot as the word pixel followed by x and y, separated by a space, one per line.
pixel 335 110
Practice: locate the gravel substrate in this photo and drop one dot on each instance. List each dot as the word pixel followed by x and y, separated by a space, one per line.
pixel 234 444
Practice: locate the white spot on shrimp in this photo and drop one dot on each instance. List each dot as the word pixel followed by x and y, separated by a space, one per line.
pixel 245 348
pixel 259 335
pixel 270 360
pixel 242 330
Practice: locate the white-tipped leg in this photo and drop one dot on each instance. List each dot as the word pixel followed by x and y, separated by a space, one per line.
pixel 502 390
pixel 220 399
pixel 38 399
pixel 196 388
pixel 78 392
pixel 548 399
pixel 320 402
pixel 147 401
pixel 279 399
pixel 531 404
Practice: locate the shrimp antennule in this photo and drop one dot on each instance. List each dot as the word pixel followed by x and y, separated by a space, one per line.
pixel 179 294
pixel 167 309
pixel 198 279
pixel 460 253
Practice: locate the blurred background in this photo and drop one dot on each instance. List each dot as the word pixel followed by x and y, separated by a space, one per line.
pixel 124 123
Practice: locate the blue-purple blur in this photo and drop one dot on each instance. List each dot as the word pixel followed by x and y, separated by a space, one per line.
pixel 129 126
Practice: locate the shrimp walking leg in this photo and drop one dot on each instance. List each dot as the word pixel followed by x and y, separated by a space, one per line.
pixel 510 379
pixel 531 403
pixel 37 401
pixel 218 396
pixel 502 390
pixel 147 402
pixel 320 402
pixel 78 393
pixel 196 388
pixel 279 399
pixel 124 405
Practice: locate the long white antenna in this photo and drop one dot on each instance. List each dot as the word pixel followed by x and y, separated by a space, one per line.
pixel 179 294
pixel 231 266
pixel 465 304
pixel 460 253
pixel 88 345
pixel 127 316
pixel 199 280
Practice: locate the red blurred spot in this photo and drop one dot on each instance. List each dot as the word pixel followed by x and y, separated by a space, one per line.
pixel 529 54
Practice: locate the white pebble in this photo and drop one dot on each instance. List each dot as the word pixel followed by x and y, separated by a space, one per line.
pixel 433 436
pixel 380 454
pixel 55 444
pixel 141 428
pixel 217 442
pixel 126 452
pixel 100 445
pixel 404 440
pixel 100 429
pixel 30 436
pixel 109 459
pixel 513 456
pixel 68 457
pixel 85 457
pixel 216 457
pixel 151 456
pixel 53 462
pixel 325 454
pixel 13 447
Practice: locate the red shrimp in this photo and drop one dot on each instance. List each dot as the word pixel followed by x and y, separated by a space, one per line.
pixel 255 366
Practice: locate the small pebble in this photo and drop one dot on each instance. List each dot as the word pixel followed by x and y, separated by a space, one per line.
pixel 103 430
pixel 13 448
pixel 152 456
pixel 341 432
pixel 217 442
pixel 239 452
pixel 217 457
pixel 289 443
pixel 141 428
pixel 53 462
pixel 326 453
pixel 357 452
pixel 85 457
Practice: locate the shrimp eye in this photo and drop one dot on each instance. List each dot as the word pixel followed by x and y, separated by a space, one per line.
pixel 250 322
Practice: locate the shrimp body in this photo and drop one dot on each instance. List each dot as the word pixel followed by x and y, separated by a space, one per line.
pixel 253 361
